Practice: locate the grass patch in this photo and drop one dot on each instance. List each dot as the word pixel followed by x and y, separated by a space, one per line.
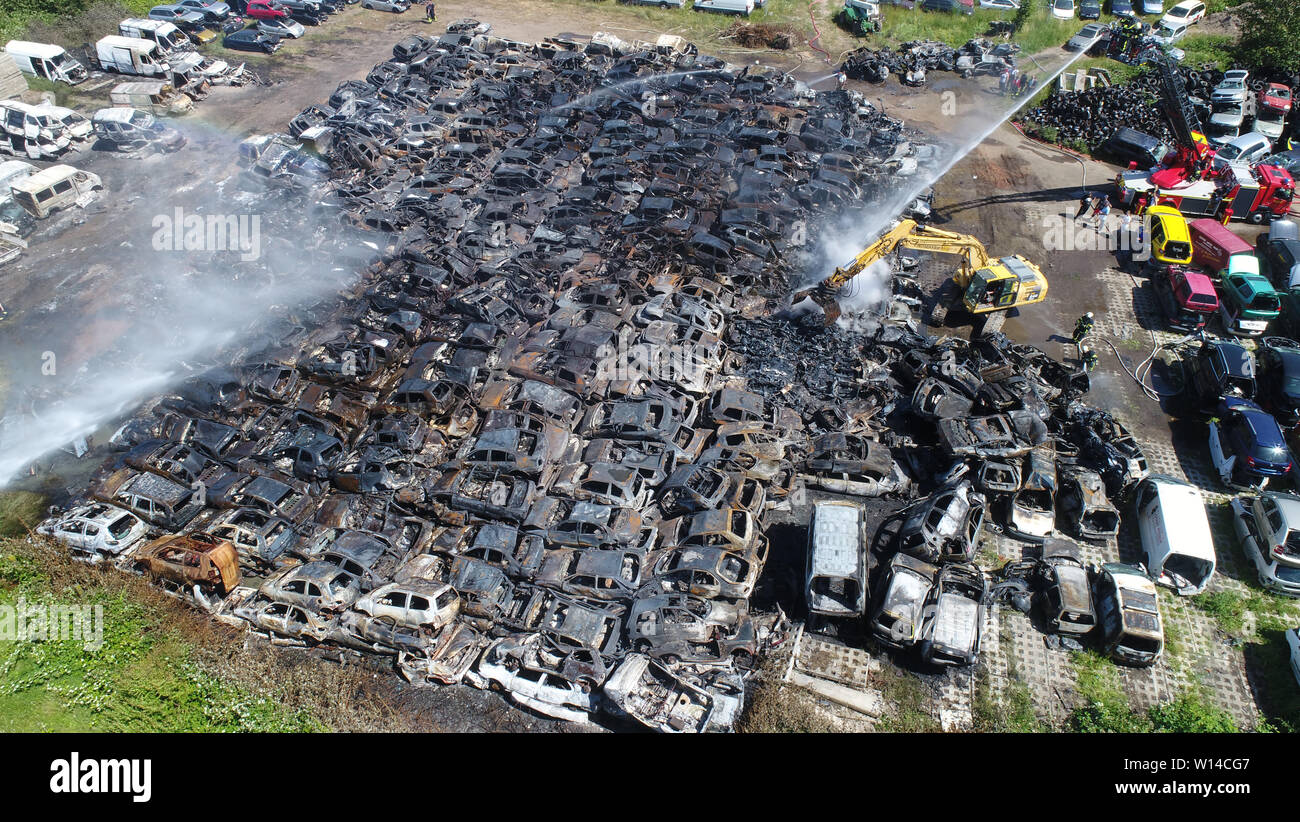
pixel 1226 607
pixel 1208 50
pixel 778 708
pixel 1011 710
pixel 1103 706
pixel 160 666
pixel 20 511
pixel 68 23
pixel 1173 639
pixel 1189 713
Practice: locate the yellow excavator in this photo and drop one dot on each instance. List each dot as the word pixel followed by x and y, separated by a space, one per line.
pixel 984 286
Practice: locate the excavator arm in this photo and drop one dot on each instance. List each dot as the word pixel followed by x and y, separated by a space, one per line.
pixel 904 234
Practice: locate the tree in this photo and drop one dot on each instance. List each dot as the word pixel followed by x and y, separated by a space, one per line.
pixel 1270 34
pixel 1023 14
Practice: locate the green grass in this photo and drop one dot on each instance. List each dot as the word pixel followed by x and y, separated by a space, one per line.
pixel 68 23
pixel 1226 607
pixel 163 666
pixel 142 678
pixel 20 511
pixel 1190 713
pixel 1103 706
pixel 1207 49
pixel 1012 709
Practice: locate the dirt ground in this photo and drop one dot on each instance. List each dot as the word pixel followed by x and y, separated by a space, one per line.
pixel 75 291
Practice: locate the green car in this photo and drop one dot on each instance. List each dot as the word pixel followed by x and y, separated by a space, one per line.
pixel 1248 302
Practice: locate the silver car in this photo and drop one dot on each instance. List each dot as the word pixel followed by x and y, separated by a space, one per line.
pixel 95 531
pixel 395 6
pixel 281 27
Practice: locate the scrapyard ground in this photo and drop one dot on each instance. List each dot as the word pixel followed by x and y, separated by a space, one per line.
pixel 66 294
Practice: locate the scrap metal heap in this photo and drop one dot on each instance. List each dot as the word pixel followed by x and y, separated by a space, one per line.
pixel 913 59
pixel 537 445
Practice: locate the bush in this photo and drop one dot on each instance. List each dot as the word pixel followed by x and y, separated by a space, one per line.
pixel 1270 34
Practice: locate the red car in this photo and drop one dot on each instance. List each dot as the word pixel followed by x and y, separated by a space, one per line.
pixel 1187 297
pixel 1276 96
pixel 265 10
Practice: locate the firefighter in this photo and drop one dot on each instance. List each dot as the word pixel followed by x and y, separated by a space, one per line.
pixel 1089 358
pixel 1085 203
pixel 1082 328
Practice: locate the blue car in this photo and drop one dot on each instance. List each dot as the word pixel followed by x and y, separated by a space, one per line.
pixel 1247 445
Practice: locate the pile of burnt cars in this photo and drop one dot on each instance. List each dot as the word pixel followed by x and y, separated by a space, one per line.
pixel 518 453
pixel 959 438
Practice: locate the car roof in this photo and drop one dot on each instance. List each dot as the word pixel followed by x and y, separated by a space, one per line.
pixel 1262 426
pixel 1237 360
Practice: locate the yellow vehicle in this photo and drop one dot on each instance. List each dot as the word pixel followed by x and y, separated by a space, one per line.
pixel 985 287
pixel 1171 240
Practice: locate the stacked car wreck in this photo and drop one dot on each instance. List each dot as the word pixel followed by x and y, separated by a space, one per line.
pixel 538 446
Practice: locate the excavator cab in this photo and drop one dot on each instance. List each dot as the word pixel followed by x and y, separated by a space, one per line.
pixel 990 290
pixel 1008 283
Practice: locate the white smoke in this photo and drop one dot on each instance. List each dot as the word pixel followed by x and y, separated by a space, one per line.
pixel 168 313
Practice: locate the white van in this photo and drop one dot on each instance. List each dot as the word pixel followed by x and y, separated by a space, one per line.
pixel 40 131
pixel 46 61
pixel 56 187
pixel 837 560
pixel 170 39
pixel 131 55
pixel 745 7
pixel 1175 534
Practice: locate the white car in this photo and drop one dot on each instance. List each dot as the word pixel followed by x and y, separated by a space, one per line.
pixel 281 27
pixel 1000 5
pixel 1063 9
pixel 96 531
pixel 1169 33
pixel 1186 13
pixel 414 604
pixel 508 666
pixel 1293 642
